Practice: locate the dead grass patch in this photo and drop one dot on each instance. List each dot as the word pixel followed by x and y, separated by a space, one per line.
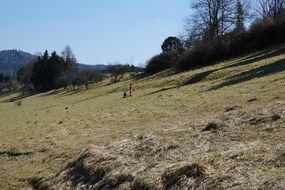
pixel 214 127
pixel 264 119
pixel 122 165
pixel 180 176
pixel 14 153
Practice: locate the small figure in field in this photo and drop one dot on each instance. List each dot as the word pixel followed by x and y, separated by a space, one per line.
pixel 130 89
pixel 125 94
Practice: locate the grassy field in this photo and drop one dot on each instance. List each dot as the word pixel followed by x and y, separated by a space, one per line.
pixel 243 98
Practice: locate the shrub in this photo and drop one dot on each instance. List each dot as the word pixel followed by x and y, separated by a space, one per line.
pixel 204 53
pixel 261 34
pixel 160 62
pixel 18 103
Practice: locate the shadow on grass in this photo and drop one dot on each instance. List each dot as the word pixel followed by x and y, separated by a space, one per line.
pixel 199 77
pixel 161 90
pixel 71 92
pixel 19 97
pixel 54 92
pixel 4 94
pixel 259 72
pixel 38 183
pixel 248 60
pixel 256 58
pixel 162 74
pixel 273 50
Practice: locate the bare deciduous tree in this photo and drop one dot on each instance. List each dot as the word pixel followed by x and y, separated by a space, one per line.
pixel 87 77
pixel 117 71
pixel 24 75
pixel 212 18
pixel 273 9
pixel 69 58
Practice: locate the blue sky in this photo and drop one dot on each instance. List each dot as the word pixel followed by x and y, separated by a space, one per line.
pixel 98 31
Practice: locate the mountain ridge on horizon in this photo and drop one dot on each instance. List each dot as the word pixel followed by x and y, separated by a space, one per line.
pixel 12 60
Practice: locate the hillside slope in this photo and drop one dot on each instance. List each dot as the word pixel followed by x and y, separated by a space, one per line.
pixel 219 127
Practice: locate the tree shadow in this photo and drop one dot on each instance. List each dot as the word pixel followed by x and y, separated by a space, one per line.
pixel 199 77
pixel 246 61
pixel 4 94
pixel 54 92
pixel 19 97
pixel 256 58
pixel 259 72
pixel 71 92
pixel 161 90
pixel 263 52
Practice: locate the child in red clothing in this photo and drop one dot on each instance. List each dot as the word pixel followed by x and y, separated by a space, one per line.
pixel 130 89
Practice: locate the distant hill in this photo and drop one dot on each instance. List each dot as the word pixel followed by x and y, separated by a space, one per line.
pixel 12 60
pixel 99 67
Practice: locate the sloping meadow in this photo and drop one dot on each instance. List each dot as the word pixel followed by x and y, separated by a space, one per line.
pixel 218 127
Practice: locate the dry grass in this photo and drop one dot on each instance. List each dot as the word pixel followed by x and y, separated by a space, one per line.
pixel 159 128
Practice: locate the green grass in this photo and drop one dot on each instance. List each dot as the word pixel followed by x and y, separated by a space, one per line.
pixel 57 126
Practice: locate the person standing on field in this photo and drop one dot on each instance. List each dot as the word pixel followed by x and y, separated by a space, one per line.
pixel 130 89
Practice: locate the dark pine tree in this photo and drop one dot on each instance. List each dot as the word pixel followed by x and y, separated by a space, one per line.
pixel 39 76
pixel 239 17
pixel 1 77
pixel 55 68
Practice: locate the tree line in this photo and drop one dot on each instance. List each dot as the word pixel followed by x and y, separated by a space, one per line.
pixel 53 71
pixel 7 82
pixel 220 29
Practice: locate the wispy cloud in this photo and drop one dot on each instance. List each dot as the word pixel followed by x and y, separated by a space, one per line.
pixel 157 20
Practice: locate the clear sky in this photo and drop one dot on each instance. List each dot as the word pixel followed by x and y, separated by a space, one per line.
pixel 98 31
